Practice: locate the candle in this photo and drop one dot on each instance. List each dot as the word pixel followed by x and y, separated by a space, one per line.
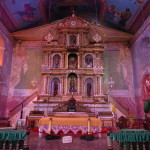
pixel 89 124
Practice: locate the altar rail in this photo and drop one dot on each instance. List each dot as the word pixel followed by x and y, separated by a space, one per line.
pixel 130 139
pixel 14 139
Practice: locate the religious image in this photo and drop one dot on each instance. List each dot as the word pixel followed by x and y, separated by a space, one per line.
pixel 72 61
pixel 56 61
pixel 89 87
pixel 27 14
pixel 55 87
pixel 89 61
pixel 73 40
pixel 72 83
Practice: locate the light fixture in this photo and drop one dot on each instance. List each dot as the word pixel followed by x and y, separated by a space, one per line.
pixel 34 81
pixel 111 82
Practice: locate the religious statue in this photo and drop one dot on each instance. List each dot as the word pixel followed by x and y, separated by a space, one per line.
pixel 55 92
pixel 88 61
pixel 73 40
pixel 56 61
pixel 72 85
pixel 89 88
pixel 72 62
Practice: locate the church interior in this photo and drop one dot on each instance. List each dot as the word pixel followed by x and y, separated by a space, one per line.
pixel 70 68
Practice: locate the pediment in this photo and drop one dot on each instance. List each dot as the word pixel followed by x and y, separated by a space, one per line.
pixel 72 25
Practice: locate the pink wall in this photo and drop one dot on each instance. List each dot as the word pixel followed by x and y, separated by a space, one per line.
pixel 141 66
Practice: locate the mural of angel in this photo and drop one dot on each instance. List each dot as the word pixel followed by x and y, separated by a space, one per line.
pixel 28 14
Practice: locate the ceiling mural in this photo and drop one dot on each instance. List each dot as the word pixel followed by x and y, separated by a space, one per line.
pixel 121 12
pixel 24 12
pixel 125 15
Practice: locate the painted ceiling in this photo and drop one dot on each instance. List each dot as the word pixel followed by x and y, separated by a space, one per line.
pixel 125 15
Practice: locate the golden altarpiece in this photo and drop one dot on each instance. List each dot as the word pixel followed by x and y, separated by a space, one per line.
pixel 72 63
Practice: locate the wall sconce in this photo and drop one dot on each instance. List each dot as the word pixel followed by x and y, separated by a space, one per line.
pixel 111 82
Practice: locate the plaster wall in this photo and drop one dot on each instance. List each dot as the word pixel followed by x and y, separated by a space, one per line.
pixel 5 75
pixel 141 66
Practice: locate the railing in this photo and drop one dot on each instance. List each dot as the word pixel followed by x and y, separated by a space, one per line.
pixel 121 108
pixel 23 104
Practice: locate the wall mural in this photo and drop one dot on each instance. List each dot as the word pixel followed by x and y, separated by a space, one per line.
pixel 30 70
pixel 114 69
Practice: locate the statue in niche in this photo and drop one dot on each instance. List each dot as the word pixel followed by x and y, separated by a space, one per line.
pixel 89 88
pixel 55 88
pixel 73 40
pixel 88 61
pixel 72 84
pixel 72 62
pixel 56 61
pixel 55 92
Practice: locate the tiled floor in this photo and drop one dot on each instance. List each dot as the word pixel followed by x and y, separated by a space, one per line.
pixel 37 143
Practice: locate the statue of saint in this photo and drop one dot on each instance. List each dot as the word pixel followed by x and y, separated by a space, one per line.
pixel 72 62
pixel 56 61
pixel 88 61
pixel 73 40
pixel 89 88
pixel 55 93
pixel 72 85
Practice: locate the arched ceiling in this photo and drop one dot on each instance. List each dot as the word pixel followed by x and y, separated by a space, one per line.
pixel 125 15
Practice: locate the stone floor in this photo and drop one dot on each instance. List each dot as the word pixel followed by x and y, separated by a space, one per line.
pixel 99 143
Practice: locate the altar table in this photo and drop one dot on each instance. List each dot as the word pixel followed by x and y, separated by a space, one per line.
pixel 67 124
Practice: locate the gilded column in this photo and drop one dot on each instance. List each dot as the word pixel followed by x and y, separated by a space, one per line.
pixel 81 60
pixel 80 92
pixel 96 78
pixel 100 85
pixel 65 86
pixel 66 60
pixel 78 60
pixel 46 59
pixel 49 60
pixel 45 84
pixel 78 85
